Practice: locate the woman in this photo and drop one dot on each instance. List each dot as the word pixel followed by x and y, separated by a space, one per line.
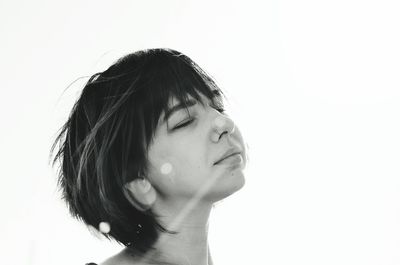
pixel 146 152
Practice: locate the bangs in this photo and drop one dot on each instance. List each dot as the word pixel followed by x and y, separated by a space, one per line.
pixel 179 78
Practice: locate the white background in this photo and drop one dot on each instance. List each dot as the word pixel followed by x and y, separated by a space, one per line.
pixel 314 87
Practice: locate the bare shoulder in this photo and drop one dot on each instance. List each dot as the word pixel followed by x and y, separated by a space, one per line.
pixel 121 258
pixel 117 259
pixel 111 261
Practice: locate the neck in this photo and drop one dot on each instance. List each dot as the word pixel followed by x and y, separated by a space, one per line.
pixel 190 245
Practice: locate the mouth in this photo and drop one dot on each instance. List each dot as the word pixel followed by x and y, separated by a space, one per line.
pixel 229 156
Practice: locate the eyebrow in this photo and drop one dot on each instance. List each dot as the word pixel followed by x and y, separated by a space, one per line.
pixel 187 104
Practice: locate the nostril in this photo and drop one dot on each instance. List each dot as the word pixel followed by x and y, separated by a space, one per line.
pixel 225 132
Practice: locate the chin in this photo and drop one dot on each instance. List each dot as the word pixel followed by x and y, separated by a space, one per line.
pixel 238 182
pixel 228 185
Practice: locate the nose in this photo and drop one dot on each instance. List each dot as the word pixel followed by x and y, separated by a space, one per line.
pixel 222 125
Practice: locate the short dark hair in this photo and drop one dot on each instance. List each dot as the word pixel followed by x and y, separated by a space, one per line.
pixel 104 142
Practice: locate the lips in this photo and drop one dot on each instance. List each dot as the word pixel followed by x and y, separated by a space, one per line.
pixel 228 153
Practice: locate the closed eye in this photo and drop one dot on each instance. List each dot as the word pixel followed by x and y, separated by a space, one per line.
pixel 183 124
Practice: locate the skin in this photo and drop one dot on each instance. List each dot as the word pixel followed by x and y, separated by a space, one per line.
pixel 192 150
pixel 184 194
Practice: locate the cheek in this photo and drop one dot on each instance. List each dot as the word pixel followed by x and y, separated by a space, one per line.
pixel 181 165
pixel 163 169
pixel 177 168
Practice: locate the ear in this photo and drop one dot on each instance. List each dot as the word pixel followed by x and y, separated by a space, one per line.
pixel 140 193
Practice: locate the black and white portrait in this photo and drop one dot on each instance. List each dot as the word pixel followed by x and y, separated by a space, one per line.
pixel 200 132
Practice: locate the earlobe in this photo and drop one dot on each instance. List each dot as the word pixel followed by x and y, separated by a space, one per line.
pixel 140 193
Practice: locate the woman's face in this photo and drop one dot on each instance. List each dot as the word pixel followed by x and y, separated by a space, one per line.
pixel 186 145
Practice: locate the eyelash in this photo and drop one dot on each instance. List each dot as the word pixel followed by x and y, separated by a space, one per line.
pixel 184 124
